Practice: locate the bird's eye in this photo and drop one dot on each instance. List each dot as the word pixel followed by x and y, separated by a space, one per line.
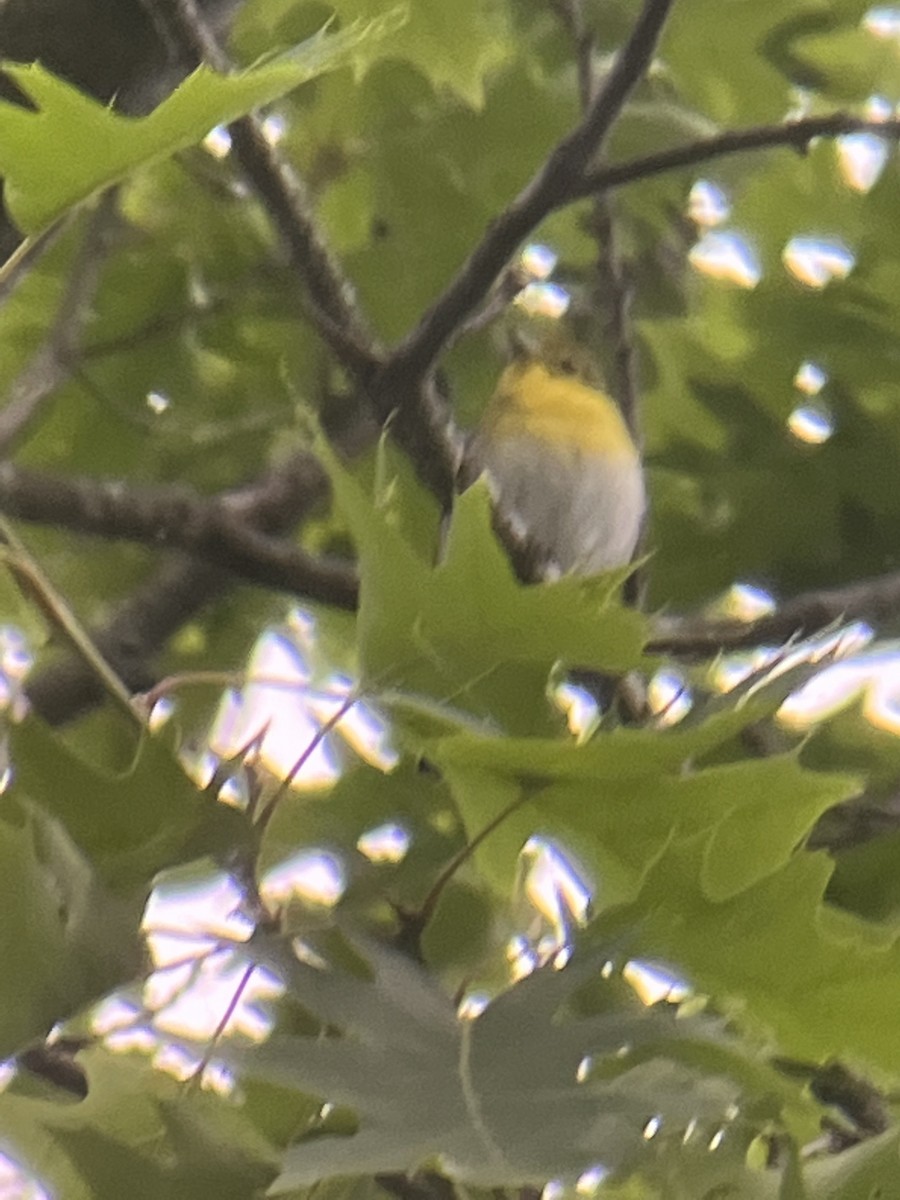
pixel 567 366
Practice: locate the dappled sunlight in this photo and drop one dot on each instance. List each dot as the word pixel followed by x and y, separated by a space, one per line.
pixel 579 707
pixel 730 670
pixel 651 1129
pixel 669 697
pixel 274 127
pixel 743 602
pixel 727 257
pixel 653 983
pixel 120 1011
pixel 861 159
pixel 538 261
pixel 708 204
pixel 314 876
pixel 872 678
pixel 590 1180
pixel 158 402
pixel 16 661
pixel 767 663
pixel 812 424
pixel 194 928
pixel 135 1039
pixel 199 764
pixel 863 156
pixel 553 900
pixel 538 296
pixel 472 1005
pixel 194 1012
pixel 161 713
pixel 276 716
pixel 217 142
pixel 810 378
pixel 289 718
pixel 544 300
pixel 817 261
pixel 201 986
pixel 387 843
pixel 16 1183
pixel 186 905
pixel 883 21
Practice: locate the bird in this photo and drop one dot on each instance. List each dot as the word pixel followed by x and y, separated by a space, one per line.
pixel 560 461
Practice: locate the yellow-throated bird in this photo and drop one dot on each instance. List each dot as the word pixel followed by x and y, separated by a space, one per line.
pixel 561 461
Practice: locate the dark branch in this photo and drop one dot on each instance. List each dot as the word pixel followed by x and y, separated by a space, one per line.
pixel 171 597
pixel 874 600
pixel 412 407
pixel 64 689
pixel 614 283
pixel 24 256
pixel 556 183
pixel 52 363
pixel 794 134
pixel 333 309
pixel 175 517
pixel 426 1185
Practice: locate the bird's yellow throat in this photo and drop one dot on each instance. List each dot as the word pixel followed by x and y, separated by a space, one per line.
pixel 557 408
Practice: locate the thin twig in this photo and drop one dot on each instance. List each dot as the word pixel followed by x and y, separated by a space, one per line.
pixel 426 910
pixel 796 135
pixel 335 310
pixel 311 746
pixel 614 282
pixel 53 362
pixel 37 588
pixel 233 679
pixel 556 182
pixel 403 389
pixel 875 600
pixel 27 255
pixel 571 14
pixel 230 1009
pixel 173 595
pixel 175 517
pixel 618 287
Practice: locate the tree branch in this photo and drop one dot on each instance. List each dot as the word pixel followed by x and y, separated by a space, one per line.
pixel 556 183
pixel 874 600
pixel 794 134
pixel 413 407
pixel 613 282
pixel 64 689
pixel 173 595
pixel 51 365
pixel 175 517
pixel 334 309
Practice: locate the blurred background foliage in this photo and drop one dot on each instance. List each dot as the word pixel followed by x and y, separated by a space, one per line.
pixel 728 846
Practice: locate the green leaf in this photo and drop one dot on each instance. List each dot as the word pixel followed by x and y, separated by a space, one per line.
pixel 140 1133
pixel 32 939
pixel 495 1100
pixel 617 804
pixel 72 145
pixel 455 47
pixel 467 630
pixel 364 799
pixel 129 826
pixel 863 1172
pixel 821 981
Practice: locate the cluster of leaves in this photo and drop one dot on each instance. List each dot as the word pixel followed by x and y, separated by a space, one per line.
pixel 409 132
